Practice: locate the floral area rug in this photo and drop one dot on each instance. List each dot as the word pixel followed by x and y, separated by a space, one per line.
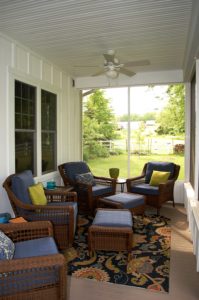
pixel 148 268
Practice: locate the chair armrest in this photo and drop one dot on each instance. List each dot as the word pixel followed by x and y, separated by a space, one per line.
pixel 167 186
pixel 60 195
pixel 133 181
pixel 27 230
pixel 52 209
pixel 33 273
pixel 57 214
pixel 106 181
pixel 28 263
pixel 135 178
pixel 105 178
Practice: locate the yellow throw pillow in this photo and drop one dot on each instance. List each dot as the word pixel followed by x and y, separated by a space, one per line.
pixel 159 177
pixel 37 194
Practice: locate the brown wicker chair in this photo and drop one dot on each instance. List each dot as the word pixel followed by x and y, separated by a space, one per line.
pixel 61 210
pixel 38 277
pixel 88 194
pixel 155 196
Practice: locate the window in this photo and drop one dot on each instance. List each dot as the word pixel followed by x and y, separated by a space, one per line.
pixel 49 131
pixel 127 127
pixel 25 127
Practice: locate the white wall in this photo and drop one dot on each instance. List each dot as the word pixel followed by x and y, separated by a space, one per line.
pixel 191 192
pixel 18 62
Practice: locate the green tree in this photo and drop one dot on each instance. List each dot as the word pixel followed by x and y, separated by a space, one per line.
pixel 139 135
pixel 172 118
pixel 99 124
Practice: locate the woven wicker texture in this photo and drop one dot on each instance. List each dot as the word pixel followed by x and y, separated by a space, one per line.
pixel 165 190
pixel 61 216
pixel 87 200
pixel 40 277
pixel 110 238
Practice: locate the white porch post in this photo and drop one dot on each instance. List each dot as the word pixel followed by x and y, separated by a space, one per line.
pixel 196 186
pixel 129 133
pixel 187 129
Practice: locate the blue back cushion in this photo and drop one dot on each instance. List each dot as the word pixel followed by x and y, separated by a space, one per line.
pixel 72 169
pixel 20 185
pixel 159 166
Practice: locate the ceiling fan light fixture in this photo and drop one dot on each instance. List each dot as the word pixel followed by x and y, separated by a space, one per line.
pixel 112 74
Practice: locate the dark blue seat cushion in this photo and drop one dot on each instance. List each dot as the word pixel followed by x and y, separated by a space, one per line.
pixel 20 185
pixel 37 247
pixel 145 189
pixel 113 218
pixel 159 166
pixel 72 169
pixel 101 189
pixel 127 200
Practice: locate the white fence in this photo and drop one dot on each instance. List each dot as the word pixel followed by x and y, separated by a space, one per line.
pixel 149 145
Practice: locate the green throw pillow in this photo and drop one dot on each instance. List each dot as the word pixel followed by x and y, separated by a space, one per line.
pixel 159 177
pixel 37 194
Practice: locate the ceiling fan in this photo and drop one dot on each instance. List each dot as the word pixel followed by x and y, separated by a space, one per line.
pixel 112 66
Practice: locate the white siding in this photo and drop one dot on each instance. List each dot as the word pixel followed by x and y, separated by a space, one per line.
pixel 18 62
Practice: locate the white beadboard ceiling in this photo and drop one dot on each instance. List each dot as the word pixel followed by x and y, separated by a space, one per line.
pixel 75 33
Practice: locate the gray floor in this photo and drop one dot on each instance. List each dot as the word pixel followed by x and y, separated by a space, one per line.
pixel 184 280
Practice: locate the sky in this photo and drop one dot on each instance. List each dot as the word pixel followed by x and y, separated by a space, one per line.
pixel 143 99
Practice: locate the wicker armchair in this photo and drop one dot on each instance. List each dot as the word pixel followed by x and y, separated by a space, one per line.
pixel 88 194
pixel 61 209
pixel 32 276
pixel 155 195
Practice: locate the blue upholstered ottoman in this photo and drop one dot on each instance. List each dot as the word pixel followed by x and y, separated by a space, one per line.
pixel 111 230
pixel 134 202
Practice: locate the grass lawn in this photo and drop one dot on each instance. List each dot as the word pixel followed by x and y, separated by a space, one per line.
pixel 100 166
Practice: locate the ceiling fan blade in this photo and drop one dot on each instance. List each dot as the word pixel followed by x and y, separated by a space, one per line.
pixel 99 73
pixel 85 66
pixel 109 57
pixel 127 72
pixel 144 62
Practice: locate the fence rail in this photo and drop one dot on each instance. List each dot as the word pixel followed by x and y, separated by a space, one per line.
pixel 149 145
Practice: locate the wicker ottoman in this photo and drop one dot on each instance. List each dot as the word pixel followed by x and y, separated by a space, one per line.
pixel 134 202
pixel 111 230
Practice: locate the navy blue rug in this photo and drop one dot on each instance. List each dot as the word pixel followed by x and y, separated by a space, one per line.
pixel 148 268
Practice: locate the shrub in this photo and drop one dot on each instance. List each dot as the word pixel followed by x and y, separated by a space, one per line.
pixel 95 150
pixel 178 148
